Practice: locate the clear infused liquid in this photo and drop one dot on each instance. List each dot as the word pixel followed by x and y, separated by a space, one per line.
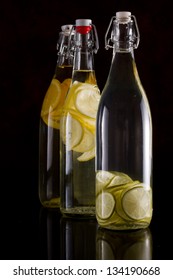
pixel 49 144
pixel 78 196
pixel 124 140
pixel 78 177
pixel 49 174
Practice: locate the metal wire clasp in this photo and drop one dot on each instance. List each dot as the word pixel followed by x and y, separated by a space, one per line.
pixel 93 41
pixel 136 34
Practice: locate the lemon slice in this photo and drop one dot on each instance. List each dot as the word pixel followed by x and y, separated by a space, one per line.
pixel 87 155
pixel 70 100
pixel 136 203
pixel 87 142
pixel 78 100
pixel 66 83
pixel 56 113
pixel 51 121
pixel 54 101
pixel 105 205
pixel 71 131
pixel 52 97
pixel 87 99
pixel 103 178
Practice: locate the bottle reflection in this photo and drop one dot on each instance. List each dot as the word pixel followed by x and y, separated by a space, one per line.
pixel 50 233
pixel 123 245
pixel 78 239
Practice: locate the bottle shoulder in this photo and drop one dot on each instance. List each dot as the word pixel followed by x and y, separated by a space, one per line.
pixel 123 70
pixel 123 98
pixel 123 83
pixel 120 92
pixel 84 76
pixel 63 72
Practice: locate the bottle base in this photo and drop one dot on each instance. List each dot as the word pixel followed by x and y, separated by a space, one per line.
pixel 52 203
pixel 79 212
pixel 125 226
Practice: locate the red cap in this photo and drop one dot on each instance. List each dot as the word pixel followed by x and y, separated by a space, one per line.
pixel 83 26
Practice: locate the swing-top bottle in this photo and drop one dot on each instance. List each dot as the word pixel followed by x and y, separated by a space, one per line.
pixel 77 127
pixel 123 136
pixel 49 132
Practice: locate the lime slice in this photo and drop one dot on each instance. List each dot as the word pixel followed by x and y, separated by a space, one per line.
pixel 87 155
pixel 136 203
pixel 71 131
pixel 105 205
pixel 114 221
pixel 87 99
pixel 103 178
pixel 87 142
pixel 52 97
pixel 119 192
pixel 120 179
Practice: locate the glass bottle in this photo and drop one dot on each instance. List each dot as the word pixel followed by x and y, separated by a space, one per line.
pixel 123 136
pixel 49 132
pixel 77 126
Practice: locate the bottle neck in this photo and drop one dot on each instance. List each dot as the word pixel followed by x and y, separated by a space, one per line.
pixel 123 36
pixel 65 58
pixel 64 61
pixel 83 54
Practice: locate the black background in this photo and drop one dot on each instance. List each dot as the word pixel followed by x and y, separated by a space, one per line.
pixel 28 36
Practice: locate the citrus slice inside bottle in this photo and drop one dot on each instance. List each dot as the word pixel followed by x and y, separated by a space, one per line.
pixel 103 178
pixel 105 204
pixel 71 131
pixel 120 179
pixel 136 203
pixel 53 102
pixel 114 180
pixel 87 100
pixel 52 97
pixel 82 102
pixel 87 155
pixel 66 83
pixel 87 142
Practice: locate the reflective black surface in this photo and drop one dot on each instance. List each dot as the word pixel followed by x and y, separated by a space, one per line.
pixel 29 231
pixel 72 239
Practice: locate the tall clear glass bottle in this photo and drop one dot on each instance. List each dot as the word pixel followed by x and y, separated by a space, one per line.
pixel 49 132
pixel 123 136
pixel 77 127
